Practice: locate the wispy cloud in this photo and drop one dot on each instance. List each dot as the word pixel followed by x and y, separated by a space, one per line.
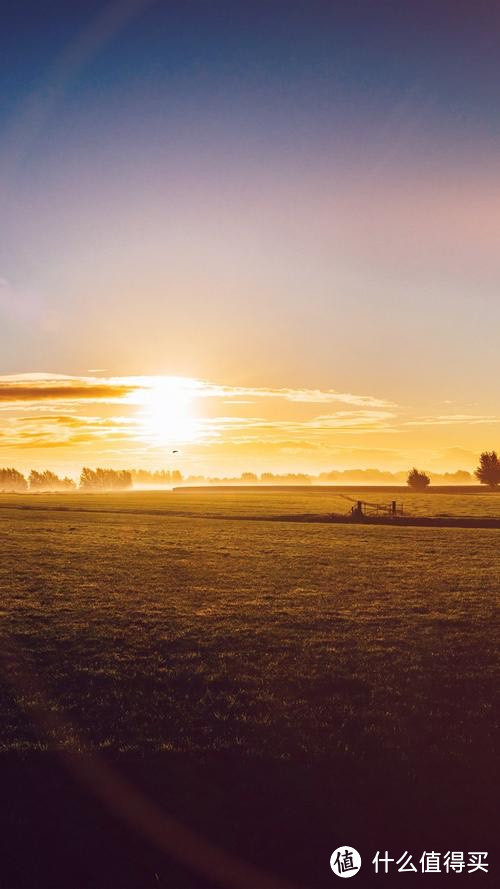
pixel 454 419
pixel 38 386
pixel 303 396
pixel 14 393
pixel 354 420
pixel 91 414
pixel 259 428
pixel 65 430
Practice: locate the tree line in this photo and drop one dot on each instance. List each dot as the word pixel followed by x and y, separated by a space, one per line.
pixel 13 481
pixel 487 473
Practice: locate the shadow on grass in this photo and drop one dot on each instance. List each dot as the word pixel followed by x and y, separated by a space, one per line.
pixel 284 817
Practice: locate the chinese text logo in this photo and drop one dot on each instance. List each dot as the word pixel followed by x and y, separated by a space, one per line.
pixel 345 861
pixel 433 863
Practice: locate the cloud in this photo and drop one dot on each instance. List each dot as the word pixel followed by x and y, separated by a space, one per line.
pixel 15 392
pixel 319 429
pixel 33 387
pixel 353 420
pixel 454 419
pixel 62 430
pixel 79 412
pixel 303 396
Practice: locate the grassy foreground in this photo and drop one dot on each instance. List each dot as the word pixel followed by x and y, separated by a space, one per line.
pixel 280 688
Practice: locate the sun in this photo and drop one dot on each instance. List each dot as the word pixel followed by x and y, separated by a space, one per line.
pixel 167 414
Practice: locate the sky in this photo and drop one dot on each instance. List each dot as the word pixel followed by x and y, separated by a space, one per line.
pixel 262 234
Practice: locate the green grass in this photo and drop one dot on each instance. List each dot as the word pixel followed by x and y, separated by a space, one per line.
pixel 241 502
pixel 280 687
pixel 168 632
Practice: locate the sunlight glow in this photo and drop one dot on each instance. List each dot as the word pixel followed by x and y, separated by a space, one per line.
pixel 167 416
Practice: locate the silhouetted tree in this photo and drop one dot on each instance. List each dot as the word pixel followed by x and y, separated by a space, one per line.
pixel 418 481
pixel 49 481
pixel 488 471
pixel 158 478
pixel 460 477
pixel 12 481
pixel 105 479
pixel 290 478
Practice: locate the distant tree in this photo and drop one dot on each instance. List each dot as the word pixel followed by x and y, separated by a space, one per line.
pixel 488 471
pixel 418 481
pixel 87 479
pixel 36 479
pixel 460 477
pixel 105 479
pixel 12 481
pixel 290 478
pixel 249 478
pixel 158 478
pixel 332 475
pixel 49 481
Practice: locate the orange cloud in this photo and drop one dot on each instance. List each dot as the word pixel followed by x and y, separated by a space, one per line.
pixel 14 392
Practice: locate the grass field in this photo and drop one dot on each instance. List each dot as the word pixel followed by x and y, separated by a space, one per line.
pixel 281 688
pixel 240 502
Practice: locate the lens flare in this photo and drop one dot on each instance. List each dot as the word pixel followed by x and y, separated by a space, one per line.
pixel 167 416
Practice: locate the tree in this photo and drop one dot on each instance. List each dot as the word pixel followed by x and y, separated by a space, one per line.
pixel 49 481
pixel 12 481
pixel 158 478
pixel 105 479
pixel 488 471
pixel 417 481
